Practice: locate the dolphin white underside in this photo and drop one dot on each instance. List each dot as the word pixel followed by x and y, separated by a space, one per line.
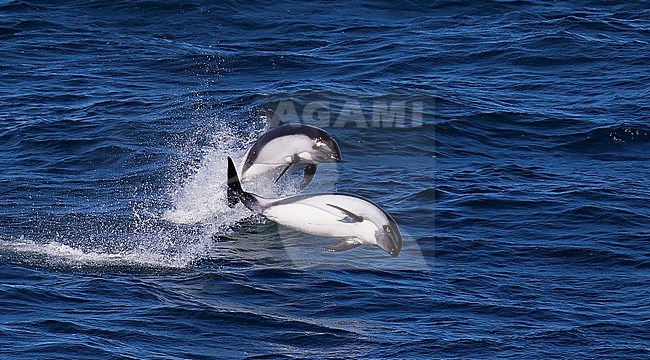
pixel 276 150
pixel 320 214
pixel 273 158
pixel 316 221
pixel 262 171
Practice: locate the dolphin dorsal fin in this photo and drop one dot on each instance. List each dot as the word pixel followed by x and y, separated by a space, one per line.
pixel 273 120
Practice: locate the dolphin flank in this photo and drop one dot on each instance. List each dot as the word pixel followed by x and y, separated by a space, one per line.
pixel 353 219
pixel 287 148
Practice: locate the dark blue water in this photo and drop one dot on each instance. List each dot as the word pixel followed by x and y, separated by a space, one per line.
pixel 522 195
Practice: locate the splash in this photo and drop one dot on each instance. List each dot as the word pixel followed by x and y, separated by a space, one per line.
pixel 201 198
pixel 176 237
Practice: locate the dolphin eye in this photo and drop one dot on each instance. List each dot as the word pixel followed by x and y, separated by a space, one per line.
pixel 388 230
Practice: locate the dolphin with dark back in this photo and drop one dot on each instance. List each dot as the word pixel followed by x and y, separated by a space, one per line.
pixel 287 148
pixel 354 220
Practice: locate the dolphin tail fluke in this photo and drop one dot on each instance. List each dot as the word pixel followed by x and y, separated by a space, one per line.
pixel 236 194
pixel 235 191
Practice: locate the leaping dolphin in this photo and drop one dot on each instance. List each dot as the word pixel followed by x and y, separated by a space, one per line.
pixel 287 148
pixel 355 220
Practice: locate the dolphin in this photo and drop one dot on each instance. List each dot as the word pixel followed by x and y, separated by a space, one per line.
pixel 353 219
pixel 287 148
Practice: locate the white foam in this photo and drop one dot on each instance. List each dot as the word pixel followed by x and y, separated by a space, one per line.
pixel 62 254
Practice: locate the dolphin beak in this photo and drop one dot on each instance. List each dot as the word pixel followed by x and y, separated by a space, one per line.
pixel 390 242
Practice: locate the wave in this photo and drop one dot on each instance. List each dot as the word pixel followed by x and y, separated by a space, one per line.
pixel 530 132
pixel 618 137
pixel 20 5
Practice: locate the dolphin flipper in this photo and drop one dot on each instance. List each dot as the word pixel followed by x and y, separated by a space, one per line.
pixel 283 172
pixel 342 246
pixel 310 170
pixel 291 168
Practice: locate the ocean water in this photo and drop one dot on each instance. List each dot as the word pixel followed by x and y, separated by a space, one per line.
pixel 519 181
